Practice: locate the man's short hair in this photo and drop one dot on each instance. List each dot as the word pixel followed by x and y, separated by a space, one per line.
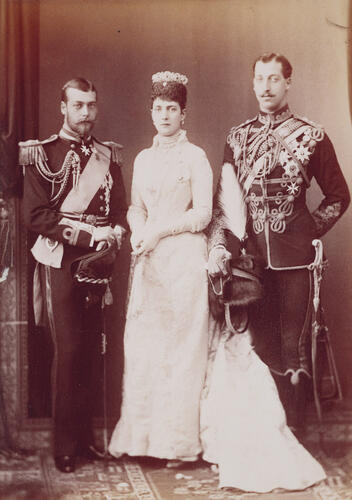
pixel 286 66
pixel 77 83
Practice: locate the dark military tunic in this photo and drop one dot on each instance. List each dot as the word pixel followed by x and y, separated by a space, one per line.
pixel 275 157
pixel 44 191
pixel 53 169
pixel 272 160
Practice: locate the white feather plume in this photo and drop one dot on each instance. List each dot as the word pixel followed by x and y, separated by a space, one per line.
pixel 231 201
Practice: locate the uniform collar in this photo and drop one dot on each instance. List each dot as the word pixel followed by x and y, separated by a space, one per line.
pixel 69 135
pixel 275 118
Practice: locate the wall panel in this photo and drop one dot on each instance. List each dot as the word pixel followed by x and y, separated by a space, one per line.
pixel 119 44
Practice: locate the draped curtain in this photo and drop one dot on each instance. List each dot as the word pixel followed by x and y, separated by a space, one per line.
pixel 19 82
pixel 350 56
pixel 19 85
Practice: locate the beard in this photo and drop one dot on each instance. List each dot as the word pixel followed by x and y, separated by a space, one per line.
pixel 83 128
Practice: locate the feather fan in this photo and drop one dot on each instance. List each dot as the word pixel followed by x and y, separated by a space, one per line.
pixel 231 201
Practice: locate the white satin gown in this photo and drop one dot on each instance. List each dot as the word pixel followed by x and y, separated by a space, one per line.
pixel 166 333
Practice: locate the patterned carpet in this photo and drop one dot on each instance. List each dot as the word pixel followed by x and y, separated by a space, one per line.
pixel 34 477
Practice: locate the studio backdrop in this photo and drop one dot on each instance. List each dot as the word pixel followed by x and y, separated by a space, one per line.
pixel 119 44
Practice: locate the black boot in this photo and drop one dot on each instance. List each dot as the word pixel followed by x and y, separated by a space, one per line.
pixel 293 398
pixel 92 453
pixel 296 417
pixel 285 390
pixel 65 463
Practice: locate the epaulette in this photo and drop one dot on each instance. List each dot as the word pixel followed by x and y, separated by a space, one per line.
pixel 319 129
pixel 116 151
pixel 32 151
pixel 244 124
pixel 233 136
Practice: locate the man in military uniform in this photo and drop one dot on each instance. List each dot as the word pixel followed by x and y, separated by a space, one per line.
pixel 74 199
pixel 269 162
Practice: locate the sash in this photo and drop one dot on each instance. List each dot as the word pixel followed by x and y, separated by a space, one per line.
pixel 90 180
pixel 293 156
pixel 258 164
pixel 49 252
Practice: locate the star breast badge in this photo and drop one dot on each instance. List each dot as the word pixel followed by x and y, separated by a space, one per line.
pixel 293 188
pixel 86 150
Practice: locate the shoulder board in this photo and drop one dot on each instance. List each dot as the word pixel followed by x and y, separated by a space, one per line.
pixel 37 142
pixel 244 124
pixel 232 137
pixel 116 151
pixel 52 138
pixel 112 144
pixel 31 151
pixel 315 125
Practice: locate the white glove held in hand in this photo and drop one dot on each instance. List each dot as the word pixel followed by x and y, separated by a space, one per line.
pixel 218 258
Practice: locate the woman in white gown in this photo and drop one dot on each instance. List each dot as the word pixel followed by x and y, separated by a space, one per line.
pixel 166 333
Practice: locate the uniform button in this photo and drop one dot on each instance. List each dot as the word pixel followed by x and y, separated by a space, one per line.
pixel 101 197
pixel 101 209
pixel 299 180
pixel 73 146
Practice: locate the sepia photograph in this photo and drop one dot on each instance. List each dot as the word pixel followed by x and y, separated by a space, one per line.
pixel 175 249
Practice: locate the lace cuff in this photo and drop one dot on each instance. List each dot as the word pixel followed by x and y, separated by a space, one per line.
pixel 194 220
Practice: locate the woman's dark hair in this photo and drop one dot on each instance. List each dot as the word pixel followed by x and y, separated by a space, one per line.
pixel 170 91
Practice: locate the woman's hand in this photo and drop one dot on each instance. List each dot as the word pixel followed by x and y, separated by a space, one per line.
pixel 136 241
pixel 146 242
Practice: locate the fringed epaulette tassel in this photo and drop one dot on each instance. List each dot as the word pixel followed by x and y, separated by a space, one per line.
pixel 116 151
pixel 107 298
pixel 32 152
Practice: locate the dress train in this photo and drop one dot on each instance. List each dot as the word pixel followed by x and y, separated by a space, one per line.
pixel 243 423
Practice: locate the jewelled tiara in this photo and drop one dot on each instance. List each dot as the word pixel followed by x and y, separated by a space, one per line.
pixel 168 76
